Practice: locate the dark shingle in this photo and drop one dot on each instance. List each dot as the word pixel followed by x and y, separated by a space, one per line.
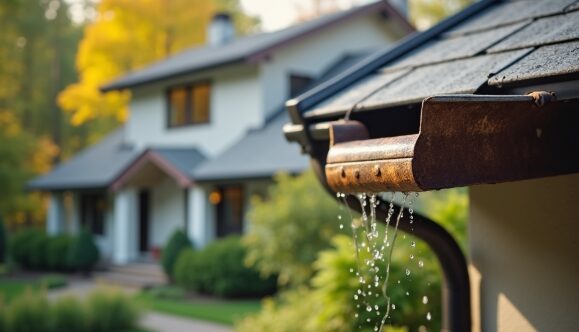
pixel 510 12
pixel 545 62
pixel 94 167
pixel 460 76
pixel 359 91
pixel 451 48
pixel 183 159
pixel 548 30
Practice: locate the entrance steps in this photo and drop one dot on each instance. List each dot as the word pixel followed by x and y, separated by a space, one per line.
pixel 133 275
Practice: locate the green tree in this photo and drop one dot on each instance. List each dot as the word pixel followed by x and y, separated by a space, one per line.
pixel 290 228
pixel 425 13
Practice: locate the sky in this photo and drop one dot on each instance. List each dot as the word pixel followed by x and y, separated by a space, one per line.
pixel 277 14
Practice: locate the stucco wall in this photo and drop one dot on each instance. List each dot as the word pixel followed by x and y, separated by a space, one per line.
pixel 524 246
pixel 234 107
pixel 314 54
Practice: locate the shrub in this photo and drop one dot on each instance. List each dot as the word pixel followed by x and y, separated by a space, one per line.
pixel 57 252
pixel 2 316
pixel 176 244
pixel 68 315
pixel 53 281
pixel 20 248
pixel 3 245
pixel 84 253
pixel 111 310
pixel 28 313
pixel 218 269
pixel 290 228
pixel 38 245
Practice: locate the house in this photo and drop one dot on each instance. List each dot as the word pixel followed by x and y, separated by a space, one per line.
pixel 166 169
pixel 488 99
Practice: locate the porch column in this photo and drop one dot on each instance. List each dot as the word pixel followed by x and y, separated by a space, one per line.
pixel 198 230
pixel 55 215
pixel 124 226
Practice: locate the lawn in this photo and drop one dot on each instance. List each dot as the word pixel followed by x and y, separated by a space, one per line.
pixel 224 312
pixel 11 288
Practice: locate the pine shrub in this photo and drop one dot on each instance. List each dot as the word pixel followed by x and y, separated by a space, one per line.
pixel 111 310
pixel 57 252
pixel 177 243
pixel 68 315
pixel 3 245
pixel 28 313
pixel 84 254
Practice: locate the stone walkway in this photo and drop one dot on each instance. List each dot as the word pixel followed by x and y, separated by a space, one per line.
pixel 153 321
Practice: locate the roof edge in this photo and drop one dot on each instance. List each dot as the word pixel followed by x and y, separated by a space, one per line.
pixel 373 62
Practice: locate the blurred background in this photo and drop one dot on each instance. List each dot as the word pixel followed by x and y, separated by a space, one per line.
pixel 286 270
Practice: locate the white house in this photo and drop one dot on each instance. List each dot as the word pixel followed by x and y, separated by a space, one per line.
pixel 180 161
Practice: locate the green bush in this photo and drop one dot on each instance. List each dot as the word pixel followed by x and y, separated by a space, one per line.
pixel 167 292
pixel 219 269
pixel 178 242
pixel 3 245
pixel 20 248
pixel 111 310
pixel 68 315
pixel 38 245
pixel 84 253
pixel 28 313
pixel 57 252
pixel 53 281
pixel 2 316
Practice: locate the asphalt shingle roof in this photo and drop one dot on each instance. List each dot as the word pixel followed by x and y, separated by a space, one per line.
pixel 240 49
pixel 94 167
pixel 510 43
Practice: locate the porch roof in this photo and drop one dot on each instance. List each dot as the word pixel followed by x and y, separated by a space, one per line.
pixel 93 168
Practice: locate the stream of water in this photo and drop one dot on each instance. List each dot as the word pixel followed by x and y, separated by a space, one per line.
pixel 374 252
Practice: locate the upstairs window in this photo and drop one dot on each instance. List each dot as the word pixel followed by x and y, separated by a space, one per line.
pixel 189 104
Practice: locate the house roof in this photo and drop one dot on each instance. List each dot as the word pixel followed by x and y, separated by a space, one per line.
pixel 112 161
pixel 94 167
pixel 488 48
pixel 245 49
pixel 177 163
pixel 270 152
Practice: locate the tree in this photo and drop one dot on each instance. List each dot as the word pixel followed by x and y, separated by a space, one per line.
pixel 129 34
pixel 289 228
pixel 425 13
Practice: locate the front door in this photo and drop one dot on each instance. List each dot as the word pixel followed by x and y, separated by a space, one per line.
pixel 144 213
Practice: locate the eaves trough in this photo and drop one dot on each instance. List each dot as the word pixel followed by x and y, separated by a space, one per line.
pixel 488 95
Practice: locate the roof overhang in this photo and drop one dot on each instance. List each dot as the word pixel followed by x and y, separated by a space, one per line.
pixel 143 163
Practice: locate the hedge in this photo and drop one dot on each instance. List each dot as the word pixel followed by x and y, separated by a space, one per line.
pixel 218 269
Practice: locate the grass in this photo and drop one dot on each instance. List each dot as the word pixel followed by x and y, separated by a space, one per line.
pixel 9 289
pixel 223 312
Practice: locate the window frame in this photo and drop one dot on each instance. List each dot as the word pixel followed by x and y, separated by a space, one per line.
pixel 188 104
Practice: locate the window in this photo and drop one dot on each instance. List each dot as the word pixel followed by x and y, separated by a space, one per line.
pixel 298 84
pixel 230 210
pixel 92 212
pixel 189 104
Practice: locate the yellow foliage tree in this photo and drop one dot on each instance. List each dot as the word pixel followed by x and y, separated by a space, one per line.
pixel 128 34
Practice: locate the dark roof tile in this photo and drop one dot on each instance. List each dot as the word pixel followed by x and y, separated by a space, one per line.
pixel 451 48
pixel 460 76
pixel 548 61
pixel 510 12
pixel 548 30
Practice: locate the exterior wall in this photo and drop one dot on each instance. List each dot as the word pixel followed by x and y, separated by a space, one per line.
pixel 167 212
pixel 523 247
pixel 235 107
pixel 314 54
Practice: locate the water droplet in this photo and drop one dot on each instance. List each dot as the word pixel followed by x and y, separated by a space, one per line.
pixel 411 256
pixel 368 308
pixel 355 297
pixel 407 272
pixel 341 226
pixel 428 316
pixel 393 306
pixel 407 293
pixel 398 281
pixel 376 307
pixel 368 320
pixel 351 270
pixel 420 264
pixel 413 244
pixel 356 315
pixel 425 299
pixel 375 328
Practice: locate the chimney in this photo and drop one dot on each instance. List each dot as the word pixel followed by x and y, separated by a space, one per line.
pixel 220 30
pixel 401 6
